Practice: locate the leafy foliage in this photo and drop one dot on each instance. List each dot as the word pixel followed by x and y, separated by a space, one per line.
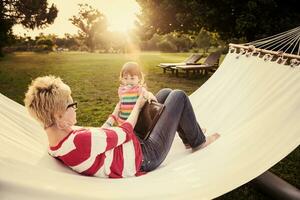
pixel 30 13
pixel 91 23
pixel 203 40
pixel 250 19
pixel 181 42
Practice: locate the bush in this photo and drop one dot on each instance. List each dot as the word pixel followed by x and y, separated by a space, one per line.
pixel 42 48
pixel 166 46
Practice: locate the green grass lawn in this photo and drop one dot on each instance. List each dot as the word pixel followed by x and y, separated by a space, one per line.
pixel 93 79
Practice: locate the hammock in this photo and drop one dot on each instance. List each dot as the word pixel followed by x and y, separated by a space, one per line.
pixel 252 100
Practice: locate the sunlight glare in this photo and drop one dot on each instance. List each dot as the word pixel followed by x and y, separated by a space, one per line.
pixel 120 14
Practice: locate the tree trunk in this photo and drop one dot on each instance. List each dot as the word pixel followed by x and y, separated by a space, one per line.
pixel 1 27
pixel 1 52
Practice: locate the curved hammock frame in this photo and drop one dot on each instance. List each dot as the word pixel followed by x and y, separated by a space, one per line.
pixel 252 100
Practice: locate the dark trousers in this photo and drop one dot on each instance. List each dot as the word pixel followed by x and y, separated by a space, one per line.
pixel 179 116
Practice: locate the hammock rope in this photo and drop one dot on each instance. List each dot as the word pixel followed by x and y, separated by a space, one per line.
pixel 283 48
pixel 281 41
pixel 287 42
pixel 273 36
pixel 268 44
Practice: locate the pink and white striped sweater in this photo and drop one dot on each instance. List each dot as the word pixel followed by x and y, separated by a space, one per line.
pixel 128 97
pixel 112 152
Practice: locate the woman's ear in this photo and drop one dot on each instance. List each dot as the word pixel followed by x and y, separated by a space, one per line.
pixel 57 116
pixel 60 123
pixel 58 119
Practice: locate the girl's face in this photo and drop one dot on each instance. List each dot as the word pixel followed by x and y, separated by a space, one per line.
pixel 128 79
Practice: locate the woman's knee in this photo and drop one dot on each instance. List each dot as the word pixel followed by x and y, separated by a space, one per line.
pixel 179 94
pixel 164 91
pixel 163 94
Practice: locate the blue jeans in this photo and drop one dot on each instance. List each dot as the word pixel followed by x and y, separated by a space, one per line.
pixel 179 116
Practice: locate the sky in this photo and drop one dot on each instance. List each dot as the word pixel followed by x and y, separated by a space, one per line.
pixel 120 15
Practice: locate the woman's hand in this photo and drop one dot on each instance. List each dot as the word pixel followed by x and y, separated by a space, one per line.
pixel 151 97
pixel 142 99
pixel 148 95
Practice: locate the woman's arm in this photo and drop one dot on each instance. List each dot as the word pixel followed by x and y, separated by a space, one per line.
pixel 112 118
pixel 116 110
pixel 132 119
pixel 149 95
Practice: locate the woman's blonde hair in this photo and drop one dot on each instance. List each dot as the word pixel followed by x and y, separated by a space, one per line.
pixel 46 98
pixel 132 68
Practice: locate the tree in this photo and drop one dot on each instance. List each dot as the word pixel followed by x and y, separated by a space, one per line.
pixel 91 23
pixel 67 42
pixel 29 13
pixel 250 19
pixel 183 42
pixel 203 40
pixel 44 43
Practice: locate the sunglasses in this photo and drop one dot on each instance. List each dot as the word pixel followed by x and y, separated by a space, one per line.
pixel 72 105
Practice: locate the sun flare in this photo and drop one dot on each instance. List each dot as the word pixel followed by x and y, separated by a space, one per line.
pixel 120 14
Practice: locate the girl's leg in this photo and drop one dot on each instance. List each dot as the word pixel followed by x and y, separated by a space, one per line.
pixel 157 146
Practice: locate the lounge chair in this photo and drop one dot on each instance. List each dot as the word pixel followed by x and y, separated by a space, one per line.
pixel 191 60
pixel 210 64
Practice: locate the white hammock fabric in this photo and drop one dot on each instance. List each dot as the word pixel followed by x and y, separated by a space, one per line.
pixel 253 104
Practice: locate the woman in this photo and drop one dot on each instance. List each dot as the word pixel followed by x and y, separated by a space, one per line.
pixel 113 152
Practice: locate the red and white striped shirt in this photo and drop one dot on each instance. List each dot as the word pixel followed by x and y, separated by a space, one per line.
pixel 111 152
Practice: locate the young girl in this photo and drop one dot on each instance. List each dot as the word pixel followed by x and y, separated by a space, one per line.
pixel 131 87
